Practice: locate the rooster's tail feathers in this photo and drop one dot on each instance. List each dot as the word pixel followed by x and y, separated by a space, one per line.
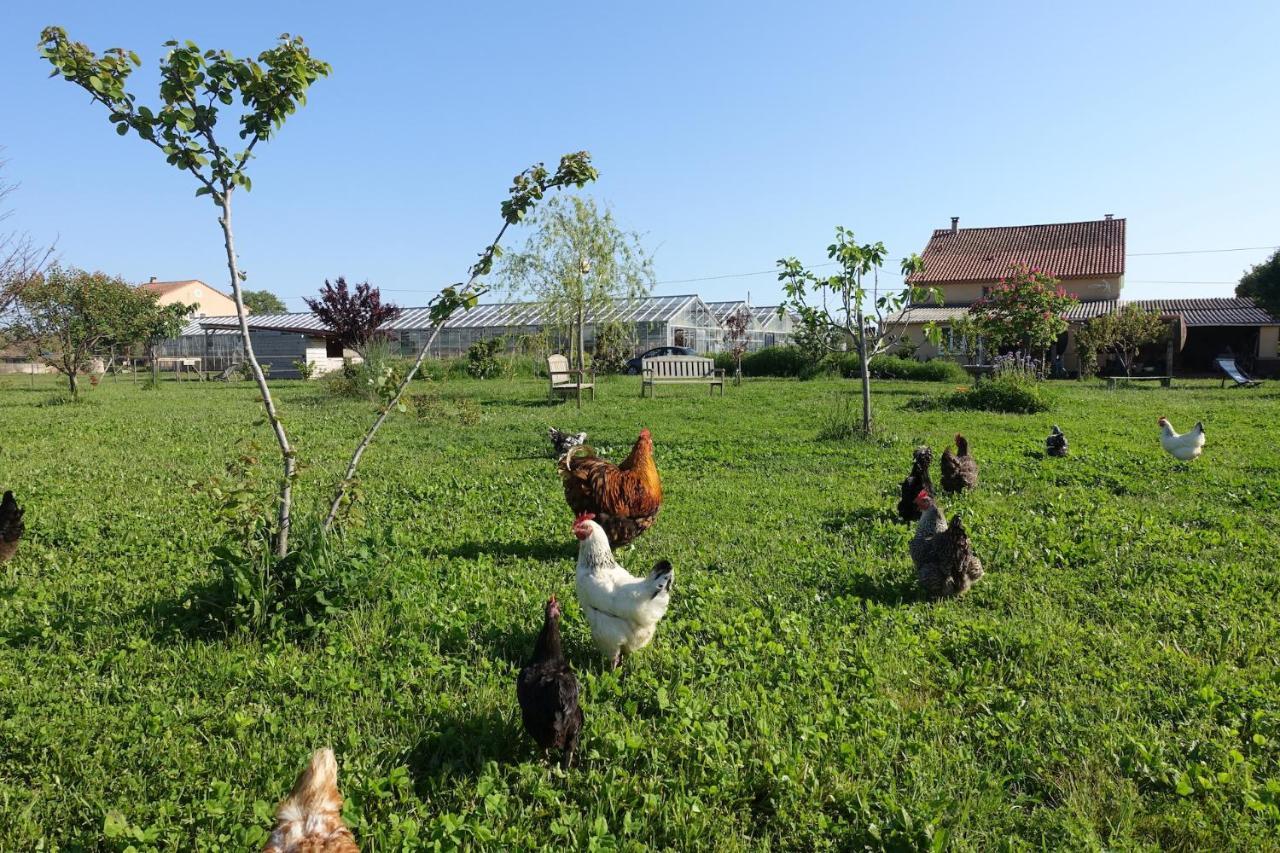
pixel 962 445
pixel 566 461
pixel 663 575
pixel 313 808
pixel 10 518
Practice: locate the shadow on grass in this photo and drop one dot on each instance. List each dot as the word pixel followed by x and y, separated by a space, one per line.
pixel 546 550
pixel 461 743
pixel 839 521
pixel 889 591
pixel 200 615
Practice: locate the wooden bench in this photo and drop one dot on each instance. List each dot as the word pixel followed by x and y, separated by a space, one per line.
pixel 1113 381
pixel 566 380
pixel 680 368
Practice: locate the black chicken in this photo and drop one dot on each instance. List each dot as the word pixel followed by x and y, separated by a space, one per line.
pixel 959 469
pixel 548 692
pixel 563 442
pixel 917 481
pixel 11 526
pixel 1056 443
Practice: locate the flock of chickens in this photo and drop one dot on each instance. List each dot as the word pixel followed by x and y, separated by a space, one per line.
pixel 612 505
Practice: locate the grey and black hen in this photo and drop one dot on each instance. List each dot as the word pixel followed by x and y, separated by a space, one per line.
pixel 944 560
pixel 1056 443
pixel 916 482
pixel 565 441
pixel 959 469
pixel 548 692
pixel 11 526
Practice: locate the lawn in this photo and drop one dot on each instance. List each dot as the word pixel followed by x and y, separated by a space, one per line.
pixel 1111 682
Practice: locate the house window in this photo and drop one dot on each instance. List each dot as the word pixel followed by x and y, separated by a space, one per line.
pixel 332 348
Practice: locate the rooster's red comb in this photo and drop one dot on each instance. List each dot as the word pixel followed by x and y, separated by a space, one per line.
pixel 924 494
pixel 584 516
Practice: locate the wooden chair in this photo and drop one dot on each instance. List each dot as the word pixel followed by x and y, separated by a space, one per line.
pixel 566 380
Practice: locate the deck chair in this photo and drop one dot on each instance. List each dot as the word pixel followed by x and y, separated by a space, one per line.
pixel 1231 370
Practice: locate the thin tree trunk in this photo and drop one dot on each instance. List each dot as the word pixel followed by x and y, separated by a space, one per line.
pixel 155 366
pixel 71 380
pixel 864 369
pixel 286 451
pixel 341 491
pixel 582 338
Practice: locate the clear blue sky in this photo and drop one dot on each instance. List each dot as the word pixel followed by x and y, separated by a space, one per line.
pixel 731 134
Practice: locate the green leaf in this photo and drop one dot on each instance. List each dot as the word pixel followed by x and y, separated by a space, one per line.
pixel 122 129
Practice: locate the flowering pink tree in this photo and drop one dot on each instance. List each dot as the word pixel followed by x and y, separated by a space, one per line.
pixel 1025 309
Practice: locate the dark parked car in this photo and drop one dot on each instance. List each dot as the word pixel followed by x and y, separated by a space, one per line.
pixel 634 365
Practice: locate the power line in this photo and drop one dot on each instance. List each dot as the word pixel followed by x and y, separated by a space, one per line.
pixel 774 271
pixel 891 272
pixel 1200 251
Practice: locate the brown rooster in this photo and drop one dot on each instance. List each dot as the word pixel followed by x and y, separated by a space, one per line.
pixel 959 469
pixel 310 818
pixel 11 526
pixel 623 498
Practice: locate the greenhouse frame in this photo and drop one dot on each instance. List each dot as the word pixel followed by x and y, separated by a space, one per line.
pixel 655 321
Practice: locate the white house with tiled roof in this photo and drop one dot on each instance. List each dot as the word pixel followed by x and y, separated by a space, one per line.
pixel 1089 259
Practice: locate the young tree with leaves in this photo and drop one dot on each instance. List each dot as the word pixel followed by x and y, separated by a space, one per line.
pixel 65 317
pixel 735 338
pixel 1025 309
pixel 527 189
pixel 354 318
pixel 195 86
pixel 872 322
pixel 579 263
pixel 263 302
pixel 1122 333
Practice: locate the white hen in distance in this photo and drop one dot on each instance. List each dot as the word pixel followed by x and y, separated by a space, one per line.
pixel 1185 446
pixel 623 610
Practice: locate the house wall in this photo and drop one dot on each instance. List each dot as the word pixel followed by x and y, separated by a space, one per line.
pixel 926 349
pixel 208 302
pixel 1269 342
pixel 1087 289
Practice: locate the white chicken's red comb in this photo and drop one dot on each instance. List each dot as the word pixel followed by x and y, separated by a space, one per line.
pixel 584 516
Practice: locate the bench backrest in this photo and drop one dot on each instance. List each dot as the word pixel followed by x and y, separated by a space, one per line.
pixel 679 367
pixel 558 370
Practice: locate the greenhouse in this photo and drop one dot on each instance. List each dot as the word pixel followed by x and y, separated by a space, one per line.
pixel 652 321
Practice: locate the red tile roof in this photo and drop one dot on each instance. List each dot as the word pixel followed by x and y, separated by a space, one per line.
pixel 1065 250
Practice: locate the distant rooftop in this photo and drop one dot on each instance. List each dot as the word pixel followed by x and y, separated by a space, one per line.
pixel 1065 250
pixel 1224 311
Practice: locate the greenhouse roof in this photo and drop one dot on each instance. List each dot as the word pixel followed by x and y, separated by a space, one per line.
pixel 651 309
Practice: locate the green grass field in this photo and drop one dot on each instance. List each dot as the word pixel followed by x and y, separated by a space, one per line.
pixel 1112 682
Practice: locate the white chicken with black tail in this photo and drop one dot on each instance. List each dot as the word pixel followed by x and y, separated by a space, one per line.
pixel 622 609
pixel 1185 446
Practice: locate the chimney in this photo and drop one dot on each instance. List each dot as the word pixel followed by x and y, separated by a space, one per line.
pixel 1107 216
pixel 955 224
pixel 153 278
